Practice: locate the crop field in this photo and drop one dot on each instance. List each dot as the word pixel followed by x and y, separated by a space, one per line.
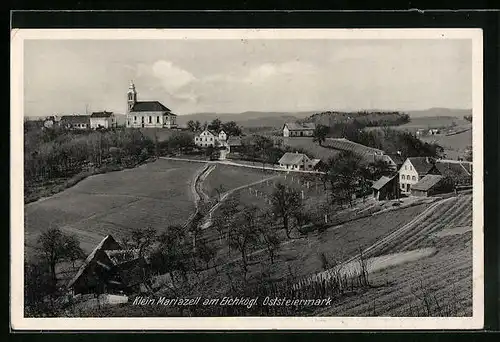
pixel 156 194
pixel 439 285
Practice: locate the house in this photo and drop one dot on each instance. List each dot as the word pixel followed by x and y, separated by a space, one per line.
pixel 147 114
pixel 395 160
pixel 234 144
pixel 75 121
pixel 386 188
pixel 102 120
pixel 297 161
pixel 109 269
pixel 206 138
pixel 459 171
pixel 293 129
pixel 210 138
pixel 413 170
pixel 434 131
pixel 431 185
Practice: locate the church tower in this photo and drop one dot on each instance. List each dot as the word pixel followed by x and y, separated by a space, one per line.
pixel 131 96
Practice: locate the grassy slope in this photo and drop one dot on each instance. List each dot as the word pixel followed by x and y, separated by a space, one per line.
pixel 155 194
pixel 454 145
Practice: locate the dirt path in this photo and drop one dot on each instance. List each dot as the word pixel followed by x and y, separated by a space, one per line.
pixel 196 190
pixel 208 221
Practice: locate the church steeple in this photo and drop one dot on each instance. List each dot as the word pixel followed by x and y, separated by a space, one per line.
pixel 131 96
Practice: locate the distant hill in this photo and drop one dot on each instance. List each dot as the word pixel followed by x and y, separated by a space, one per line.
pixel 439 112
pixel 247 119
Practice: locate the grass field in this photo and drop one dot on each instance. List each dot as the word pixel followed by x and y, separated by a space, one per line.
pixel 454 145
pixel 308 144
pixel 156 194
pixel 227 177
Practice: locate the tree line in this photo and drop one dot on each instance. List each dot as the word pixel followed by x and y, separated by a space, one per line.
pixel 216 125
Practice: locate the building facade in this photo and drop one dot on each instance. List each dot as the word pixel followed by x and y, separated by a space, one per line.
pixel 147 114
pixel 210 138
pixel 77 122
pixel 413 170
pixel 102 120
pixel 297 161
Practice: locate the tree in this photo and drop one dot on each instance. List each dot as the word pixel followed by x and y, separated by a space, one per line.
pixel 215 125
pixel 285 201
pixel 344 173
pixel 244 234
pixel 197 126
pixel 379 168
pixel 55 247
pixel 191 125
pixel 320 133
pixel 206 253
pixel 231 128
pixel 268 234
pixel 143 239
pixel 180 142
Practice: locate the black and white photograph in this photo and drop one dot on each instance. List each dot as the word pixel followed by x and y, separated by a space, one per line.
pixel 266 178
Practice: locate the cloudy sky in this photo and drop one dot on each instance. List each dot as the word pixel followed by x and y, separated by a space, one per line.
pixel 188 76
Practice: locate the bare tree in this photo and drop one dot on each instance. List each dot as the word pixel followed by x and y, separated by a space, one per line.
pixel 244 235
pixel 285 201
pixel 268 234
pixel 55 247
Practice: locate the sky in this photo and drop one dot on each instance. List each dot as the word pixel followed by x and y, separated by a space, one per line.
pixel 231 76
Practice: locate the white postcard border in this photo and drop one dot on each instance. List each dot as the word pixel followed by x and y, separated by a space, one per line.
pixel 237 323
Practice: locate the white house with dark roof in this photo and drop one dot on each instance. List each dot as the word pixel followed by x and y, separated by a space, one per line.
pixel 293 129
pixel 297 161
pixel 147 114
pixel 102 120
pixel 413 170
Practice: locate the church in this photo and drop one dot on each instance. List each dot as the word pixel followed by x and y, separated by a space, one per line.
pixel 147 114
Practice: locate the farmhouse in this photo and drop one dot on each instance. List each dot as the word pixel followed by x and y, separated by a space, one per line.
pixel 432 185
pixel 147 114
pixel 293 129
pixel 210 138
pixel 297 161
pixel 75 121
pixel 102 120
pixel 109 268
pixel 413 170
pixel 386 188
pixel 459 171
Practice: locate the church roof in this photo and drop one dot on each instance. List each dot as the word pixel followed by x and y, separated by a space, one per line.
pixel 149 106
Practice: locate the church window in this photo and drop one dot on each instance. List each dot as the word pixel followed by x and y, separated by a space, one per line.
pixel 157 119
pixel 128 123
pixel 135 118
pixel 150 119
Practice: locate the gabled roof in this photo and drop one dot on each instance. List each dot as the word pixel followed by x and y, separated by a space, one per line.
pixel 292 158
pixel 107 243
pixel 421 164
pixel 381 182
pixel 396 158
pixel 454 169
pixel 427 182
pixel 149 106
pixel 101 114
pixel 72 119
pixel 294 126
pixel 121 256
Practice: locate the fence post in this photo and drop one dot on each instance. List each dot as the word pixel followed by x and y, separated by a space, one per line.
pixel 326 218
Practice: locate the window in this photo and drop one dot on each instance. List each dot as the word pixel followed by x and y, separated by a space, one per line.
pixel 211 139
pixel 128 122
pixel 410 167
pixel 157 119
pixel 406 167
pixel 150 119
pixel 403 177
pixel 135 118
pixel 414 178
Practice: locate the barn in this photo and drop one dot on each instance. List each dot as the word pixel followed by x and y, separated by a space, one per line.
pixel 109 269
pixel 386 188
pixel 431 185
